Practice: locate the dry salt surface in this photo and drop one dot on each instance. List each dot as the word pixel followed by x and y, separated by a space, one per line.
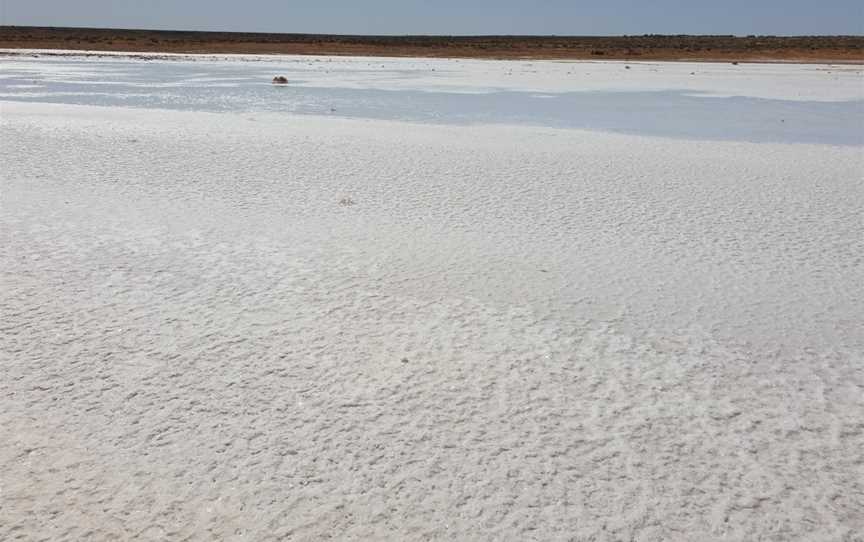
pixel 259 325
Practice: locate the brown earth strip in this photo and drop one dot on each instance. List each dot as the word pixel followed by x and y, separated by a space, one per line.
pixel 847 49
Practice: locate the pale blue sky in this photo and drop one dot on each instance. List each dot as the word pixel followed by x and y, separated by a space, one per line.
pixel 562 17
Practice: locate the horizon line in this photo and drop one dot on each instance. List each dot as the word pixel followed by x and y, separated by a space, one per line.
pixel 398 35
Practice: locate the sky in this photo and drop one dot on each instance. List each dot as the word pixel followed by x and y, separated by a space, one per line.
pixel 451 17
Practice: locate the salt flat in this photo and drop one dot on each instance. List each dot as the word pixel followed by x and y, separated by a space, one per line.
pixel 237 315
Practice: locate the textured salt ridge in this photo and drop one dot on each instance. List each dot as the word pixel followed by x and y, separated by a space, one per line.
pixel 292 412
pixel 199 341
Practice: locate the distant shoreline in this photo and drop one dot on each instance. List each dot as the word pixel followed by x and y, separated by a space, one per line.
pixel 805 49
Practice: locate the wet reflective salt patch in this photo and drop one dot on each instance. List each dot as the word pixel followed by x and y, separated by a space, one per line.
pixel 664 114
pixel 384 91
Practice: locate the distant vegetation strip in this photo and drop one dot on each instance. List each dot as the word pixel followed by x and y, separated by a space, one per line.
pixel 647 47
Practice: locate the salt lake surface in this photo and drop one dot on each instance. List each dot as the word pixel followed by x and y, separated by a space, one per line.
pixel 427 299
pixel 418 91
